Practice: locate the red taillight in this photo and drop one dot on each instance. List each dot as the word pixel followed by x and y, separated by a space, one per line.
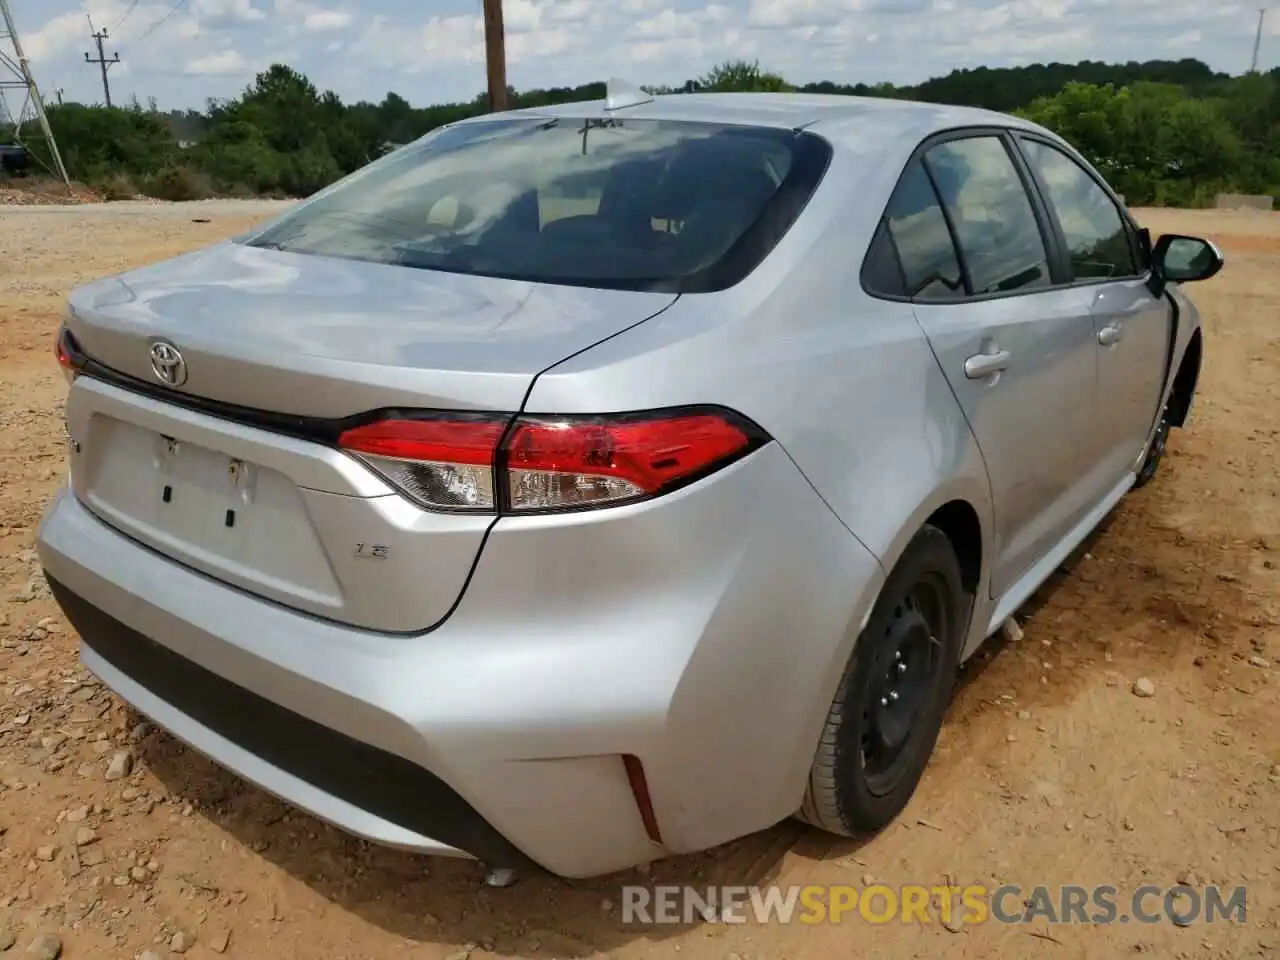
pixel 557 464
pixel 549 463
pixel 443 462
pixel 63 346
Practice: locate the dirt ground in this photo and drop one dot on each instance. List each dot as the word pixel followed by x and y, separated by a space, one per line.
pixel 1051 770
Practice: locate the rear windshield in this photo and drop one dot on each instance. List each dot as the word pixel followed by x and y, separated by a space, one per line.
pixel 624 204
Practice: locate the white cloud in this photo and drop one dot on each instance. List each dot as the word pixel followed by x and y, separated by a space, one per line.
pixel 570 10
pixel 521 16
pixel 56 36
pixel 226 63
pixel 794 13
pixel 433 50
pixel 239 10
pixel 319 21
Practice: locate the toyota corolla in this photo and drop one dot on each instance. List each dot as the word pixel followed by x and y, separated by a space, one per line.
pixel 593 483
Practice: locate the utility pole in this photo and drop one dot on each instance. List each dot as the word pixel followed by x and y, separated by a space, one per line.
pixel 1257 40
pixel 103 61
pixel 495 52
pixel 15 74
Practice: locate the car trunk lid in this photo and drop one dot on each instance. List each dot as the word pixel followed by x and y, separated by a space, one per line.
pixel 196 471
pixel 323 337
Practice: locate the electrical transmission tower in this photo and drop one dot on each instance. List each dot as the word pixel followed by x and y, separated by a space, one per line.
pixel 15 74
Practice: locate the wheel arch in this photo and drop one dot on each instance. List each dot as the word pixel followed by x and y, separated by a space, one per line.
pixel 961 507
pixel 1186 380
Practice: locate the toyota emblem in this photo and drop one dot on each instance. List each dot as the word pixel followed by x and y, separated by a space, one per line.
pixel 167 364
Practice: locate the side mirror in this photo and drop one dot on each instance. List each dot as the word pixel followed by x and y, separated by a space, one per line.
pixel 1178 259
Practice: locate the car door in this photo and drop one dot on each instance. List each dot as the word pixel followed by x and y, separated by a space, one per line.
pixel 1018 351
pixel 1134 328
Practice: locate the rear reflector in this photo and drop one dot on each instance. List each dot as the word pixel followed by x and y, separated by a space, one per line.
pixel 463 462
pixel 640 791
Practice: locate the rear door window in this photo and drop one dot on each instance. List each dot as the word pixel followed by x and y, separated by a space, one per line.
pixel 991 213
pixel 930 267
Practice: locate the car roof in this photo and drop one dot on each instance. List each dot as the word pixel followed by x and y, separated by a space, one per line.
pixel 833 115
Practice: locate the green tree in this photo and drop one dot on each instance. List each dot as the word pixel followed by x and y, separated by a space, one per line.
pixel 1161 132
pixel 741 76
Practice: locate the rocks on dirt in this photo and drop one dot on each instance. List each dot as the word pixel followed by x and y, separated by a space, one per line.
pixel 78 815
pixel 121 765
pixel 46 854
pixel 36 588
pixel 1143 687
pixel 220 941
pixel 181 942
pixel 1262 663
pixel 47 946
pixel 1011 630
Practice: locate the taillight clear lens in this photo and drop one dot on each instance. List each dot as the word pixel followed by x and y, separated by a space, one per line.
pixel 444 463
pixel 451 461
pixel 557 464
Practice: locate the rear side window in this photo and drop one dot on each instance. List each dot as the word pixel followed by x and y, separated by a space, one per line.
pixel 992 215
pixel 615 203
pixel 1097 241
pixel 931 270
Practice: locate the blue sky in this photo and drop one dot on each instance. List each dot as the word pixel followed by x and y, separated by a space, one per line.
pixel 184 51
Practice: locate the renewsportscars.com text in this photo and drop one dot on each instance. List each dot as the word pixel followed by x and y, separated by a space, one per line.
pixel 910 903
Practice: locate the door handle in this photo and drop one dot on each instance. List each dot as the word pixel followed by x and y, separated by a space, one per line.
pixel 1111 334
pixel 983 365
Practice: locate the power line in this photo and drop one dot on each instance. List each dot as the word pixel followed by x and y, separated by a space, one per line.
pixel 103 61
pixel 1257 40
pixel 178 5
pixel 125 16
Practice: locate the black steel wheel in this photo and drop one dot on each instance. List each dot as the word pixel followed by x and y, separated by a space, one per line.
pixel 906 671
pixel 884 722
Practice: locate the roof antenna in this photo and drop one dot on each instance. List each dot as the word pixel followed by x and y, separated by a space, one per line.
pixel 620 94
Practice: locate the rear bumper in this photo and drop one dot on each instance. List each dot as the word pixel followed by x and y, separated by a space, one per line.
pixel 703 633
pixel 363 789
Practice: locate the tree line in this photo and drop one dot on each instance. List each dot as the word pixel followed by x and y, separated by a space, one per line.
pixel 1163 132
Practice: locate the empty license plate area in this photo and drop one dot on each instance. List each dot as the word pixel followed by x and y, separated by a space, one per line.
pixel 224 515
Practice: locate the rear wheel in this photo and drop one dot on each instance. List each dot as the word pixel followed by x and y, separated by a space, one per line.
pixel 888 709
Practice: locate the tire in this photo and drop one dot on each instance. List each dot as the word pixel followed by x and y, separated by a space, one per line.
pixel 921 614
pixel 1155 452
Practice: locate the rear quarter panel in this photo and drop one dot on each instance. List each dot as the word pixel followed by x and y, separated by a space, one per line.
pixel 844 382
pixel 846 385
